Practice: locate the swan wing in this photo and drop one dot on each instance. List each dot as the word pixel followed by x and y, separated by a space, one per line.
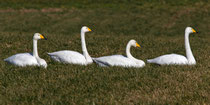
pixel 169 59
pixel 22 59
pixel 115 60
pixel 67 56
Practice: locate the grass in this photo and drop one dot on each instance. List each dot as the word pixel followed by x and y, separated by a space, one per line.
pixel 38 4
pixel 157 26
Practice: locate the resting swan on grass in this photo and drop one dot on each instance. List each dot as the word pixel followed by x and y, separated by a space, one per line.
pixel 73 57
pixel 28 59
pixel 120 60
pixel 176 59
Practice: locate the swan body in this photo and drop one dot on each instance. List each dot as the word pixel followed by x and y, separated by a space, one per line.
pixel 175 59
pixel 169 59
pixel 120 60
pixel 28 59
pixel 73 57
pixel 66 56
pixel 22 59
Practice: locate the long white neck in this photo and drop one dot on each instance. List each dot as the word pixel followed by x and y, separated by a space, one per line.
pixel 128 52
pixel 84 49
pixel 189 54
pixel 35 52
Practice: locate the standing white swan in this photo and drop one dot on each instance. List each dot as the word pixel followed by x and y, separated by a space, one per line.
pixel 120 60
pixel 73 57
pixel 175 58
pixel 28 59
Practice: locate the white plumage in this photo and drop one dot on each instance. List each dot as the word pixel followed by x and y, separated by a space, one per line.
pixel 175 58
pixel 28 59
pixel 66 56
pixel 22 59
pixel 120 60
pixel 73 57
pixel 169 59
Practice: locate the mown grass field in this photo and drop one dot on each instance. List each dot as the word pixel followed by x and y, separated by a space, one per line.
pixel 158 26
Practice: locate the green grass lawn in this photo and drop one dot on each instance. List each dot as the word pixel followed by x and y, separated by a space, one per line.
pixel 158 26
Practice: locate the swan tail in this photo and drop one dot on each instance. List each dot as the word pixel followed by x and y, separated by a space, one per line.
pixel 5 60
pixel 50 54
pixel 150 61
pixel 102 64
pixel 54 57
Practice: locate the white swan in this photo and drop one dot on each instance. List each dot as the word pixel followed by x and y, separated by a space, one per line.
pixel 73 57
pixel 28 59
pixel 175 58
pixel 120 60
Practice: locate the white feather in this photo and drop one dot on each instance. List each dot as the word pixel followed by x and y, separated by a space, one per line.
pixel 66 56
pixel 22 59
pixel 169 59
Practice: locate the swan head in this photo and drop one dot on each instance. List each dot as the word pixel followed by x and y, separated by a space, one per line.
pixel 85 29
pixel 190 30
pixel 134 43
pixel 38 36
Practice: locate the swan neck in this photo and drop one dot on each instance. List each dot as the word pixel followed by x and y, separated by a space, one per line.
pixel 84 49
pixel 128 51
pixel 189 54
pixel 35 50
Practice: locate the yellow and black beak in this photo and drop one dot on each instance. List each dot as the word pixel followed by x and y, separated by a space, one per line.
pixel 89 29
pixel 137 45
pixel 194 31
pixel 43 37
